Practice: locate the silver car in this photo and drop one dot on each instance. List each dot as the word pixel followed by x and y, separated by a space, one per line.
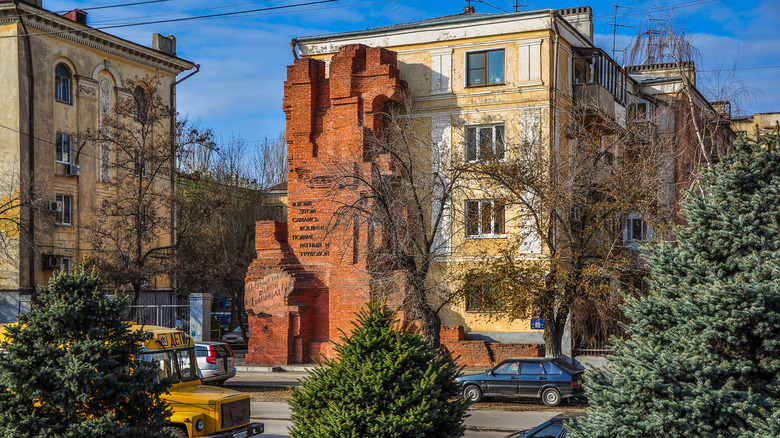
pixel 215 362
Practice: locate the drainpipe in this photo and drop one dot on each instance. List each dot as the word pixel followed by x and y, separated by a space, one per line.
pixel 173 159
pixel 294 43
pixel 30 144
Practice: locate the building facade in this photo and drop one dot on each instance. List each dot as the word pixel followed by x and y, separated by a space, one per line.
pixel 478 83
pixel 61 81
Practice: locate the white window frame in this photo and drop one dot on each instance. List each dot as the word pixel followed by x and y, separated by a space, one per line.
pixel 481 204
pixel 628 229
pixel 478 130
pixel 67 210
pixel 63 140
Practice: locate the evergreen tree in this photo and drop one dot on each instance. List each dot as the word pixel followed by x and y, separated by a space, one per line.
pixel 702 353
pixel 69 368
pixel 386 382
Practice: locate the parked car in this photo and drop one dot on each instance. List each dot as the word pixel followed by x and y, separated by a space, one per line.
pixel 552 428
pixel 548 379
pixel 215 362
pixel 235 338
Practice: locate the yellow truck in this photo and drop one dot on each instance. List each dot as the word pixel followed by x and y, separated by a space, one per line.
pixel 197 410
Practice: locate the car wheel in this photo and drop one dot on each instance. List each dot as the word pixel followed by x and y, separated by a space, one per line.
pixel 551 397
pixel 175 432
pixel 472 393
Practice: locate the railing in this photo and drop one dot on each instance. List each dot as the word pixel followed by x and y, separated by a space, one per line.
pixel 166 315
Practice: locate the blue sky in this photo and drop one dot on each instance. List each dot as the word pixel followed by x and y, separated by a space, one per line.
pixel 243 57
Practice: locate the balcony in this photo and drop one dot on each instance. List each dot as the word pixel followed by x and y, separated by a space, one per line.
pixel 594 99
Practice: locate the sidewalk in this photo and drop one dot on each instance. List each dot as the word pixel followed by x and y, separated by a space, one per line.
pixel 243 367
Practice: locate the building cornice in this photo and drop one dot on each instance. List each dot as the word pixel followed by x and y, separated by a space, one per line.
pixel 57 26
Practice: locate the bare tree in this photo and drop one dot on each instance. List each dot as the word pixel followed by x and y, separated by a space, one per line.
pixel 576 201
pixel 271 160
pixel 132 234
pixel 19 195
pixel 218 207
pixel 663 38
pixel 404 200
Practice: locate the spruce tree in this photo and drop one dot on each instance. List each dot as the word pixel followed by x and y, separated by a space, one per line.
pixel 69 368
pixel 386 382
pixel 702 353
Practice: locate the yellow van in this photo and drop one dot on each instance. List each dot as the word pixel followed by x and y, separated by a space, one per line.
pixel 197 410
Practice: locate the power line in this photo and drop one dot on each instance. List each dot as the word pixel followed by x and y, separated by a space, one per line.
pixel 646 10
pixel 249 12
pixel 740 68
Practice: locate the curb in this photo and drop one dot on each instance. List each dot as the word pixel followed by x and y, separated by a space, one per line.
pixel 275 368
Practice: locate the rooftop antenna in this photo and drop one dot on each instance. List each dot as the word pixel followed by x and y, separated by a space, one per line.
pixel 517 6
pixel 615 25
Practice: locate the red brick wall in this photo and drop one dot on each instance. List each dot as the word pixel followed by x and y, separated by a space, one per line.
pixel 328 124
pixel 482 353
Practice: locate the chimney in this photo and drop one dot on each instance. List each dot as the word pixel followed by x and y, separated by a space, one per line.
pixel 468 10
pixel 77 15
pixel 163 44
pixel 581 18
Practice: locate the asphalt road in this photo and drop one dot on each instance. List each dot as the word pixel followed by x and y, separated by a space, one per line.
pixel 481 423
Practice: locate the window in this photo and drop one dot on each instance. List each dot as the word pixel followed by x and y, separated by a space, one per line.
pixel 485 218
pixel 636 230
pixel 507 368
pixel 484 142
pixel 63 148
pixel 64 216
pixel 638 111
pixel 139 97
pixel 62 88
pixel 485 68
pixel 552 369
pixel 532 368
pixel 65 265
pixel 552 431
pixel 482 294
pixel 141 166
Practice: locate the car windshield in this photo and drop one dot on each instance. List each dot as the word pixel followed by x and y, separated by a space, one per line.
pixel 176 366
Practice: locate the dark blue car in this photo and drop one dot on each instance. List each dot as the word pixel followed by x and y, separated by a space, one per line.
pixel 551 380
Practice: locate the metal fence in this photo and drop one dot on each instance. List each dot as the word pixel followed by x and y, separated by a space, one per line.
pixel 167 315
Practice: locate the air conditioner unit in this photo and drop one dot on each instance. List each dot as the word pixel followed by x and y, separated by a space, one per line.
pixel 55 206
pixel 51 261
pixel 71 170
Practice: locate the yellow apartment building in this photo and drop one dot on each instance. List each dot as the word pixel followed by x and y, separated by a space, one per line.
pixel 60 78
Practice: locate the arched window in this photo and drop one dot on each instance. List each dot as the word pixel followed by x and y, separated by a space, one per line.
pixel 62 81
pixel 140 103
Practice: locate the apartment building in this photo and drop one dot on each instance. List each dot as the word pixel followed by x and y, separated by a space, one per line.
pixel 62 78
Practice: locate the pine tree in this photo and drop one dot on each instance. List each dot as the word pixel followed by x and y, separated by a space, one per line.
pixel 68 368
pixel 386 382
pixel 702 353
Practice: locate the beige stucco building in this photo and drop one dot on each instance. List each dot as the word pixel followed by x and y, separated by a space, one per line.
pixel 59 78
pixel 757 124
